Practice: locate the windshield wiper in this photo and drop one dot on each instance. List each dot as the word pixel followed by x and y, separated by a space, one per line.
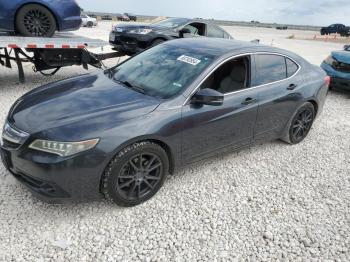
pixel 131 86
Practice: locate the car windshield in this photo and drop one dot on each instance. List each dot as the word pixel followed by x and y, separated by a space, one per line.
pixel 172 22
pixel 162 71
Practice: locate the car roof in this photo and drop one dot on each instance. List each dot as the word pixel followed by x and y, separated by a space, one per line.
pixel 220 47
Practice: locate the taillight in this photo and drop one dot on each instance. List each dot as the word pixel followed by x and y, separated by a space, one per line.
pixel 327 80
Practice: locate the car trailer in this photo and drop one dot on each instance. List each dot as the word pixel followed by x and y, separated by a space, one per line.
pixel 62 50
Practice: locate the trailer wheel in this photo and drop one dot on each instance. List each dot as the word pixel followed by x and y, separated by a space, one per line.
pixel 35 20
pixel 90 24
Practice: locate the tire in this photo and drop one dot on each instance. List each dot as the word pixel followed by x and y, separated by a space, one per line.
pixel 157 42
pixel 300 124
pixel 90 24
pixel 126 183
pixel 35 20
pixel 323 32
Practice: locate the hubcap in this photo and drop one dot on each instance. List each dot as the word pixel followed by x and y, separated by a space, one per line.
pixel 302 124
pixel 36 22
pixel 139 176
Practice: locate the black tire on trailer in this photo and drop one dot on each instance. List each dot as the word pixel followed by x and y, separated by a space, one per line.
pixel 90 24
pixel 35 20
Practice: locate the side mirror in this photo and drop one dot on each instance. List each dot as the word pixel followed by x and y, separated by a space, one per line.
pixel 184 31
pixel 208 96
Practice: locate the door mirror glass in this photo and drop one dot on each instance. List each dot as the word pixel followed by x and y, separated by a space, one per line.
pixel 208 96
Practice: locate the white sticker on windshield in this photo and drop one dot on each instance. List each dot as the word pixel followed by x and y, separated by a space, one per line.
pixel 189 60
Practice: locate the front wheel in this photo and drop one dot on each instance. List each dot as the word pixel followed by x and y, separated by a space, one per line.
pixel 135 174
pixel 35 20
pixel 300 125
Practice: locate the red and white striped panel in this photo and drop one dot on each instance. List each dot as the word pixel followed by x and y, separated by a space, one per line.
pixel 32 46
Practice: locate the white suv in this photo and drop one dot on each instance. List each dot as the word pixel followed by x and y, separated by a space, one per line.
pixel 88 21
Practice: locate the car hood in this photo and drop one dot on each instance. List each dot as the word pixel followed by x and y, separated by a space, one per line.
pixel 342 56
pixel 83 98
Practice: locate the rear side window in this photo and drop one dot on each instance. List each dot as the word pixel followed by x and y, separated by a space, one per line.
pixel 292 67
pixel 215 32
pixel 271 68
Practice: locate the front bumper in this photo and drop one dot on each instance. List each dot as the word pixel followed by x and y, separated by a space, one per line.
pixel 55 179
pixel 129 43
pixel 338 79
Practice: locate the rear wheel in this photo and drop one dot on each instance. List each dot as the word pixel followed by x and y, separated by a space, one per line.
pixel 300 124
pixel 135 174
pixel 35 20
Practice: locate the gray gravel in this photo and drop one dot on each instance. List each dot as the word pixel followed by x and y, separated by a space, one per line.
pixel 269 202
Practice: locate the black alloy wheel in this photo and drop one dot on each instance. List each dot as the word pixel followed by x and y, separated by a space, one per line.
pixel 35 20
pixel 135 174
pixel 301 124
pixel 139 176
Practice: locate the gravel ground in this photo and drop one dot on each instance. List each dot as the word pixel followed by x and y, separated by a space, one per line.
pixel 269 202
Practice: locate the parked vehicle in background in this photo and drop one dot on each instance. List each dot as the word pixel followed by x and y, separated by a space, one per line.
pixel 282 27
pixel 335 29
pixel 88 21
pixel 123 17
pixel 106 17
pixel 134 38
pixel 39 17
pixel 121 132
pixel 337 66
pixel 132 17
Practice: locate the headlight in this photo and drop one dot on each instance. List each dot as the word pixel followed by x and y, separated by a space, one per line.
pixel 141 31
pixel 63 148
pixel 330 61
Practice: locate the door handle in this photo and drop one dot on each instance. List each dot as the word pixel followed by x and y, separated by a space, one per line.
pixel 249 101
pixel 291 87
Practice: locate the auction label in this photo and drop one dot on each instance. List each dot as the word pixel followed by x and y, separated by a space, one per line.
pixel 189 60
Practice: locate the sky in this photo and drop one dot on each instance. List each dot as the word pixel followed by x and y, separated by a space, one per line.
pixel 301 12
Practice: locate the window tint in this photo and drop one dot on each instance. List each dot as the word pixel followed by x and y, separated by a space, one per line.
pixel 271 68
pixel 163 71
pixel 215 32
pixel 291 67
pixel 230 77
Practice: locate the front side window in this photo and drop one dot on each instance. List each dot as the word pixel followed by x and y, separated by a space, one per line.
pixel 163 71
pixel 271 68
pixel 230 77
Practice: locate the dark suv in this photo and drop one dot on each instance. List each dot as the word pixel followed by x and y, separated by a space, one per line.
pixel 336 29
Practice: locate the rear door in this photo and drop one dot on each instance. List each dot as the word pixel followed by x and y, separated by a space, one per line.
pixel 278 82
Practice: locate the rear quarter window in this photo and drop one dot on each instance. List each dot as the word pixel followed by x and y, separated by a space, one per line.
pixel 271 68
pixel 215 32
pixel 292 67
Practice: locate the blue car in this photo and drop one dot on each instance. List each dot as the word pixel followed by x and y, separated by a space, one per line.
pixel 337 66
pixel 39 17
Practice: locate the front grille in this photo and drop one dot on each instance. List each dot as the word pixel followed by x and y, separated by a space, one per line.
pixel 10 145
pixel 12 137
pixel 6 159
pixel 342 67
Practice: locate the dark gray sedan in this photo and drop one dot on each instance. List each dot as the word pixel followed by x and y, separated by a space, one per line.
pixel 120 133
pixel 136 37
